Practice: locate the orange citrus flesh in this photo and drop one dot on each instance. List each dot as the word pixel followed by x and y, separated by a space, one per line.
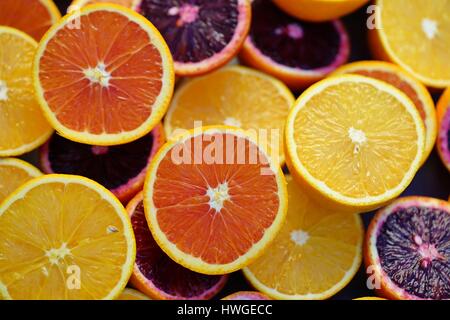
pixel 234 96
pixel 400 79
pixel 417 39
pixel 33 17
pixel 316 253
pixel 74 238
pixel 319 10
pixel 107 82
pixel 214 216
pixel 77 4
pixel 24 127
pixel 14 173
pixel 131 294
pixel 354 142
pixel 443 115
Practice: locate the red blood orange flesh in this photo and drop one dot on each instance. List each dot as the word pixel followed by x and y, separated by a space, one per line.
pixel 408 249
pixel 203 35
pixel 247 295
pixel 121 169
pixel 297 52
pixel 156 274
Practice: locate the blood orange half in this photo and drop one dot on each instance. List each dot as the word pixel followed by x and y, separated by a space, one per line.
pixel 33 17
pixel 103 75
pixel 121 169
pixel 297 52
pixel 203 35
pixel 407 249
pixel 213 200
pixel 247 295
pixel 158 276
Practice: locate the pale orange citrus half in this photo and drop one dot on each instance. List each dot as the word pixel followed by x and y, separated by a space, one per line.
pixel 213 200
pixel 103 75
pixel 14 173
pixel 316 253
pixel 354 142
pixel 64 237
pixel 23 125
pixel 415 35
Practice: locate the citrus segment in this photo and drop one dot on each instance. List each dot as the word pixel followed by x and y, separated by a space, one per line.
pixel 400 79
pixel 316 253
pixel 234 96
pixel 213 200
pixel 423 49
pixel 33 17
pixel 109 80
pixel 157 275
pixel 407 249
pixel 443 140
pixel 23 125
pixel 319 10
pixel 202 35
pixel 14 173
pixel 354 142
pixel 297 52
pixel 131 294
pixel 64 237
pixel 121 169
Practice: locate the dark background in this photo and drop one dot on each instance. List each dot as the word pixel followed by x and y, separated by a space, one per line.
pixel 432 180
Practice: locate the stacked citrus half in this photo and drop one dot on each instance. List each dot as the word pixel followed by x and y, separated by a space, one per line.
pixel 354 142
pixel 24 127
pixel 103 75
pixel 417 39
pixel 214 200
pixel 74 237
pixel 316 253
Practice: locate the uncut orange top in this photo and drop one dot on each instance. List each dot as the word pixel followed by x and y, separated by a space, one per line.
pixel 213 218
pixel 103 75
pixel 34 17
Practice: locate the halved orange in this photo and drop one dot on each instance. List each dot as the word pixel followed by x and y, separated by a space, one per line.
pixel 103 75
pixel 400 79
pixel 418 39
pixel 23 126
pixel 14 173
pixel 64 237
pixel 316 253
pixel 77 4
pixel 234 96
pixel 131 294
pixel 213 200
pixel 319 10
pixel 443 140
pixel 354 142
pixel 33 17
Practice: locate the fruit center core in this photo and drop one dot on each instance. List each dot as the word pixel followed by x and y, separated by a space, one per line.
pixel 55 255
pixel 427 252
pixel 299 237
pixel 358 138
pixel 230 121
pixel 3 91
pixel 292 30
pixel 217 196
pixel 98 75
pixel 430 28
pixel 99 150
pixel 187 13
